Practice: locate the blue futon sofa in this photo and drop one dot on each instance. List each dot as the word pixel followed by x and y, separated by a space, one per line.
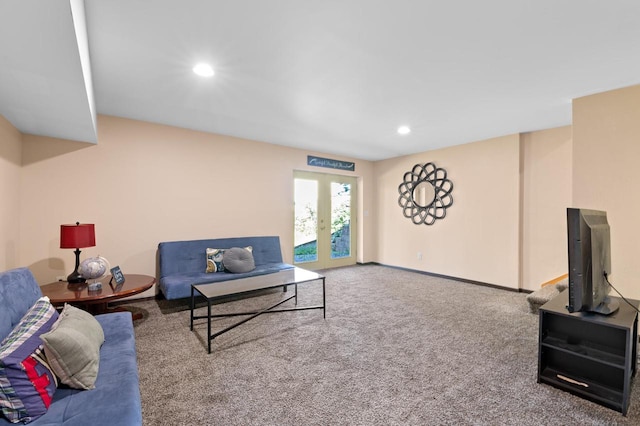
pixel 183 263
pixel 115 400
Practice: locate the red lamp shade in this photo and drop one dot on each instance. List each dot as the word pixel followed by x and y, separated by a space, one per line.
pixel 77 236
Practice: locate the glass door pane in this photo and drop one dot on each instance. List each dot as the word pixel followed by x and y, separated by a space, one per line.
pixel 340 220
pixel 306 221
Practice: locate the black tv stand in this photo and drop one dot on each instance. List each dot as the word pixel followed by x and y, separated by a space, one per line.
pixel 591 355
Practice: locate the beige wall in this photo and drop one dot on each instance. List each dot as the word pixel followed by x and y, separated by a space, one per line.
pixel 479 238
pixel 10 161
pixel 546 195
pixel 606 175
pixel 145 183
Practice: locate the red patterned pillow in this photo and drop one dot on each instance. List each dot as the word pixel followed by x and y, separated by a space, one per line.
pixel 27 384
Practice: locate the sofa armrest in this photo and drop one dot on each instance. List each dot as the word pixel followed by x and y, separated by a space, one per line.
pixel 18 292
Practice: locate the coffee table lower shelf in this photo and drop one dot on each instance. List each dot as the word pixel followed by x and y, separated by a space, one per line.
pixel 213 291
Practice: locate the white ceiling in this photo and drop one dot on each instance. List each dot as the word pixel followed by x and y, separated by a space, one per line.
pixel 337 77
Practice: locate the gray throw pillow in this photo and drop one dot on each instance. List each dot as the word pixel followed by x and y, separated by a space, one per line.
pixel 72 347
pixel 239 260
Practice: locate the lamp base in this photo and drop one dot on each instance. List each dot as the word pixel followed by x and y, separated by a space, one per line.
pixel 75 276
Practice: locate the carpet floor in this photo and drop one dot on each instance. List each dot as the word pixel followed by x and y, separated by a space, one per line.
pixel 396 348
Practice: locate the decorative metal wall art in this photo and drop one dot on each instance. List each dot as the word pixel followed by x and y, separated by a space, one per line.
pixel 425 194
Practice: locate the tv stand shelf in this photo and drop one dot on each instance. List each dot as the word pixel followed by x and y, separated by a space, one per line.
pixel 590 355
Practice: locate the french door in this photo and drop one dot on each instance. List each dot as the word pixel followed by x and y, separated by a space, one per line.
pixel 324 220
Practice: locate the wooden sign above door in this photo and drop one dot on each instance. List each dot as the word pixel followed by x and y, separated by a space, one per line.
pixel 330 164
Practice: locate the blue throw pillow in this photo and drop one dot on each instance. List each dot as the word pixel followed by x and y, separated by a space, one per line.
pixel 27 383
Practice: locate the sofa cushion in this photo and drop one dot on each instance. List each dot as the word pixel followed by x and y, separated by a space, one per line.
pixel 182 263
pixel 238 260
pixel 179 285
pixel 73 347
pixel 27 384
pixel 179 257
pixel 116 397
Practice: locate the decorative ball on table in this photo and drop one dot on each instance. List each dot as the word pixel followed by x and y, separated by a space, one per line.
pixel 94 268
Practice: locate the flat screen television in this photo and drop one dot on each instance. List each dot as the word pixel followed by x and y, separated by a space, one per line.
pixel 589 244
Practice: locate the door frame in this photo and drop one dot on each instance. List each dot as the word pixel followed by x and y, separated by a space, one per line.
pixel 323 230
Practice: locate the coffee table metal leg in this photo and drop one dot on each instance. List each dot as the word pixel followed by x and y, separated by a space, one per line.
pixel 251 314
pixel 324 304
pixel 192 306
pixel 209 338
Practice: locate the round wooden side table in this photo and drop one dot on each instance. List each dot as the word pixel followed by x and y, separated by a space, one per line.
pixel 96 302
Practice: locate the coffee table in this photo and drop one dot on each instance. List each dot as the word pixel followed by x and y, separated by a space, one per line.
pixel 218 290
pixel 96 302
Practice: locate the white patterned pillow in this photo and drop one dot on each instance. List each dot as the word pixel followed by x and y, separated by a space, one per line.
pixel 214 260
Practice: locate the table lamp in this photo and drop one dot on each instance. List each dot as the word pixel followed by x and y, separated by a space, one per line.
pixel 77 236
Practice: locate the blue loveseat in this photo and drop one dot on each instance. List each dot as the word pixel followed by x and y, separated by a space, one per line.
pixel 183 263
pixel 116 397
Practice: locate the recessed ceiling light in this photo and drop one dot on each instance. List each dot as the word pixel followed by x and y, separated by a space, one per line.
pixel 404 130
pixel 203 70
